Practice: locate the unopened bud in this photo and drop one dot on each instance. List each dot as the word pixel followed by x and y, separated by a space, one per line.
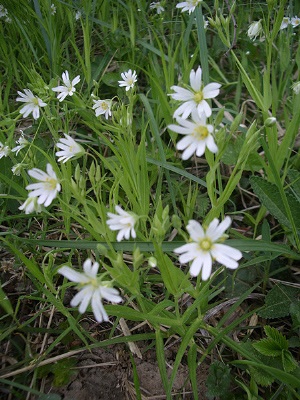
pixel 271 121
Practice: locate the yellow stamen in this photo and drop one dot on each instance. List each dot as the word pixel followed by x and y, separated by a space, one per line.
pixel 200 132
pixel 198 97
pixel 205 244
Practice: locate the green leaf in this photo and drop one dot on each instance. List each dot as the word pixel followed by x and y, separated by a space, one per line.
pixel 63 370
pixel 174 278
pixel 295 314
pixel 277 337
pixel 288 361
pixel 5 303
pixel 278 301
pixel 218 380
pixel 268 195
pixel 261 377
pixel 294 177
pixel 268 347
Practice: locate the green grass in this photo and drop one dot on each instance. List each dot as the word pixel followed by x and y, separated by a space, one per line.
pixel 131 160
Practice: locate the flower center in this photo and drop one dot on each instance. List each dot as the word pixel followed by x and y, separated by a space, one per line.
pixel 130 81
pixel 51 183
pixel 198 97
pixel 200 132
pixel 205 244
pixel 104 106
pixel 35 101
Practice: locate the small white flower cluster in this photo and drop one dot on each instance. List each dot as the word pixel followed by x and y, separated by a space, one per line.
pixel 295 21
pixel 4 14
pixel 53 9
pixel 101 107
pixel 198 134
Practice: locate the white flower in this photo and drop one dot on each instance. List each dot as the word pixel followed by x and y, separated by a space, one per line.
pixel 33 104
pixel 296 87
pixel 295 21
pixel 91 289
pixel 285 23
pixel 4 150
pixel 205 23
pixel 31 205
pixel 78 15
pixel 129 79
pixel 17 169
pixel 122 222
pixel 102 107
pixel 3 11
pixel 206 247
pixel 198 135
pixel 47 188
pixel 255 29
pixel 156 5
pixel 69 148
pixel 69 87
pixel 188 5
pixel 195 98
pixel 53 9
pixel 22 142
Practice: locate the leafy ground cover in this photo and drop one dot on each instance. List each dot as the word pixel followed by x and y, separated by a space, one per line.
pixel 150 191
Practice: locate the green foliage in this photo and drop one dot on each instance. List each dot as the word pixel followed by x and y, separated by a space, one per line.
pixel 131 159
pixel 278 302
pixel 268 195
pixel 61 370
pixel 218 381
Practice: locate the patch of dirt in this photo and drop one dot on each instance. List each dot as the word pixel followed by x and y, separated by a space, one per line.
pixel 107 374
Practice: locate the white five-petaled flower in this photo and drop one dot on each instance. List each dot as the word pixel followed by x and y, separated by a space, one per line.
pixel 47 188
pixel 198 135
pixel 91 289
pixel 129 79
pixel 69 87
pixel 255 29
pixel 188 5
pixel 296 87
pixel 69 149
pixel 195 98
pixel 31 205
pixel 102 107
pixel 285 23
pixel 53 9
pixel 22 142
pixel 295 21
pixel 4 150
pixel 17 169
pixel 123 222
pixel 157 6
pixel 33 104
pixel 206 247
pixel 3 11
pixel 78 15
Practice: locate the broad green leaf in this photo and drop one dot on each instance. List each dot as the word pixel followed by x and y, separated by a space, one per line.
pixel 278 301
pixel 268 347
pixel 288 361
pixel 277 337
pixel 269 197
